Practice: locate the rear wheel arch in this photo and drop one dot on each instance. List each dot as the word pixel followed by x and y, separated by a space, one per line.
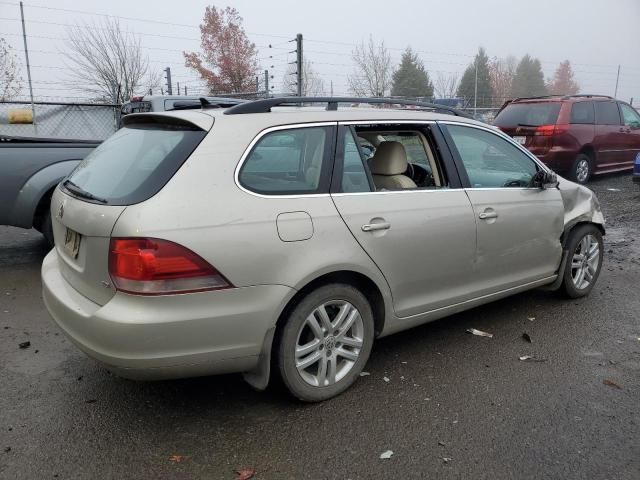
pixel 590 152
pixel 42 208
pixel 349 277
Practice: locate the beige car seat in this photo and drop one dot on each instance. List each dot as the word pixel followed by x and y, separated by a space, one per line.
pixel 388 165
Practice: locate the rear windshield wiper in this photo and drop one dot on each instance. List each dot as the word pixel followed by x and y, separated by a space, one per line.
pixel 80 192
pixel 526 125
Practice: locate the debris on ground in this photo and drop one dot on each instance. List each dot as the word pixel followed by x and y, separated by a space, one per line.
pixel 386 455
pixel 244 473
pixel 364 374
pixel 611 383
pixel 386 379
pixel 177 458
pixel 530 358
pixel 479 333
pixel 613 189
pixel 526 337
pixel 7 449
pixel 24 345
pixel 531 319
pixel 91 400
pixel 442 444
pixel 446 459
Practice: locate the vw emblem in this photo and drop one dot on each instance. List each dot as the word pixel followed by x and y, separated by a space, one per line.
pixel 61 210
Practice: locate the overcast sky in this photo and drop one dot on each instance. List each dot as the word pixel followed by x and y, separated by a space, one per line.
pixel 595 35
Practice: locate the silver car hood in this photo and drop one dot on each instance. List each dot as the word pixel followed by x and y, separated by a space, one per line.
pixel 580 204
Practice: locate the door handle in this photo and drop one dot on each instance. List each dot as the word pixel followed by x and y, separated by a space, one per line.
pixel 372 227
pixel 486 215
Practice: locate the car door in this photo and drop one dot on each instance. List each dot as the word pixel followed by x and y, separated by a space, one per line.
pixel 518 226
pixel 631 120
pixel 610 140
pixel 422 239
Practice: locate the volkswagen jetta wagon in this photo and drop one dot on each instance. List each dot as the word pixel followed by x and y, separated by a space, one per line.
pixel 273 239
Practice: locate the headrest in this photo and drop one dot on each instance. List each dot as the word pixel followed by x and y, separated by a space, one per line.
pixel 390 159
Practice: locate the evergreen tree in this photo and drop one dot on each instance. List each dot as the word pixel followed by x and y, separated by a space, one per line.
pixel 467 88
pixel 411 79
pixel 529 79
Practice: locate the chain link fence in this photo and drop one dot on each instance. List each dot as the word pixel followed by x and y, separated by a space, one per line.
pixel 72 121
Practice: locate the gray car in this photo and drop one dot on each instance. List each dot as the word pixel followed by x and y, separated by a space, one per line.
pixel 279 240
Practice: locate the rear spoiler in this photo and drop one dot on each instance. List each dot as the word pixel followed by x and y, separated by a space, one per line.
pixel 194 121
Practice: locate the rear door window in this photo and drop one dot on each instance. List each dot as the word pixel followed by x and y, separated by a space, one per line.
pixel 528 114
pixel 491 161
pixel 607 113
pixel 582 112
pixel 136 162
pixel 289 161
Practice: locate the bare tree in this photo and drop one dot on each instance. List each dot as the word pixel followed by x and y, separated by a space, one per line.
pixel 372 74
pixel 106 61
pixel 501 73
pixel 446 85
pixel 10 81
pixel 312 84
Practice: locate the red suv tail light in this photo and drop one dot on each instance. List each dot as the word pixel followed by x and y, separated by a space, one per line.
pixel 550 130
pixel 150 266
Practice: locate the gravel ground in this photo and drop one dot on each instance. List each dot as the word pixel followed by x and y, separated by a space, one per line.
pixel 455 405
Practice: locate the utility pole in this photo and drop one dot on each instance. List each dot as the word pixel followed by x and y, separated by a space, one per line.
pixel 615 95
pixel 26 54
pixel 168 75
pixel 331 88
pixel 185 90
pixel 475 94
pixel 299 63
pixel 266 84
pixel 178 83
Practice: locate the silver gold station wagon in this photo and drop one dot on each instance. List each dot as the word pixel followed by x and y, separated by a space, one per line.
pixel 282 237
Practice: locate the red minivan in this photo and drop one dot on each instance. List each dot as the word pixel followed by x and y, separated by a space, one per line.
pixel 576 135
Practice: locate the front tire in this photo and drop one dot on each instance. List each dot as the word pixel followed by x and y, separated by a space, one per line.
pixel 325 342
pixel 582 169
pixel 584 261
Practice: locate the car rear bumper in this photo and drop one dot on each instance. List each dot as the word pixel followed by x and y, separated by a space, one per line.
pixel 175 336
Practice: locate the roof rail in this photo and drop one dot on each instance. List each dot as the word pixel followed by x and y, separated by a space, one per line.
pixel 265 105
pixel 586 95
pixel 535 97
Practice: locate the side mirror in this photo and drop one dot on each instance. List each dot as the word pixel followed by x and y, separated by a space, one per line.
pixel 544 180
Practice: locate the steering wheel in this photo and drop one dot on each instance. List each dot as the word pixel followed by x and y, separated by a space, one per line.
pixel 420 175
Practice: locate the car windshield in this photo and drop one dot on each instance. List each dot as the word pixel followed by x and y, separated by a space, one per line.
pixel 528 114
pixel 136 162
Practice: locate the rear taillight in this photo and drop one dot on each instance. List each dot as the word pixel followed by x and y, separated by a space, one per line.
pixel 550 130
pixel 150 266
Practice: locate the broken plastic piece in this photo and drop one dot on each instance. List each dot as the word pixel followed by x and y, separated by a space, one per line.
pixel 479 333
pixel 245 473
pixel 364 374
pixel 526 337
pixel 386 455
pixel 24 345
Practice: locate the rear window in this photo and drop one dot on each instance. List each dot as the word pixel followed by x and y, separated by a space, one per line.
pixel 582 112
pixel 136 162
pixel 136 107
pixel 528 114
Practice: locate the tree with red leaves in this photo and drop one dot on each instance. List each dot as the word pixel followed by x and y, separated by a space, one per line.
pixel 228 60
pixel 562 82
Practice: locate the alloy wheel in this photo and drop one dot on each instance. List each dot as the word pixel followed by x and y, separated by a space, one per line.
pixel 584 262
pixel 329 343
pixel 582 170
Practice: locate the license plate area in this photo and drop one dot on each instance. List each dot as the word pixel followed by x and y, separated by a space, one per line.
pixel 520 139
pixel 72 243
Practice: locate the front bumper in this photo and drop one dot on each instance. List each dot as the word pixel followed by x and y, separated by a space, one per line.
pixel 172 336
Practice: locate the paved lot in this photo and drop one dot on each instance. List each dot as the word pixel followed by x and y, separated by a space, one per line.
pixel 450 395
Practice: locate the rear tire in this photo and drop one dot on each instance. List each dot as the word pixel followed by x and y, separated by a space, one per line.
pixel 584 261
pixel 582 169
pixel 325 342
